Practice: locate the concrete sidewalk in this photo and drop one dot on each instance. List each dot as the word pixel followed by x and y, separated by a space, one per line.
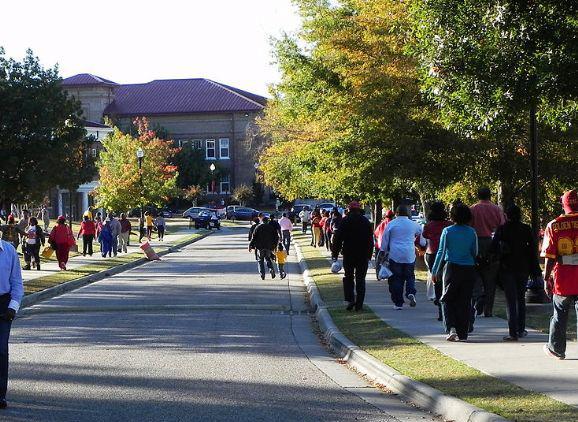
pixel 51 267
pixel 522 363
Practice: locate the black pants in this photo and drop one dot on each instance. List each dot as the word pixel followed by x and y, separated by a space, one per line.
pixel 515 290
pixel 304 227
pixel 87 244
pixel 485 290
pixel 32 251
pixel 4 336
pixel 161 230
pixel 286 238
pixel 355 271
pixel 430 259
pixel 457 298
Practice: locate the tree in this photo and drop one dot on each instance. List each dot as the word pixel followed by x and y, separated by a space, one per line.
pixel 347 116
pixel 242 194
pixel 41 135
pixel 493 67
pixel 120 187
pixel 193 168
pixel 193 193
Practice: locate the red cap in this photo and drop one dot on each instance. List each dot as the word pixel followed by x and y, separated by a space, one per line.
pixel 354 205
pixel 570 201
pixel 61 217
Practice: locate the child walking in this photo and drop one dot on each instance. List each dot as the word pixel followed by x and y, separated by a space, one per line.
pixel 281 256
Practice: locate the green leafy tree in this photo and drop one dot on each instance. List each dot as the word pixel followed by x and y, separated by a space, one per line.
pixel 193 167
pixel 42 141
pixel 193 193
pixel 120 181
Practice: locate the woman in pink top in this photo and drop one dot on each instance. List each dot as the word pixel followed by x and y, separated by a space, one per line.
pixel 432 231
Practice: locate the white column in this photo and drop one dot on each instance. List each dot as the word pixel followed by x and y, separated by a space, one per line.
pixel 84 203
pixel 60 212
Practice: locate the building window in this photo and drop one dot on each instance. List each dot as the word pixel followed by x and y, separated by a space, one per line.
pixel 93 152
pixel 210 149
pixel 212 187
pixel 184 144
pixel 197 144
pixel 225 184
pixel 224 148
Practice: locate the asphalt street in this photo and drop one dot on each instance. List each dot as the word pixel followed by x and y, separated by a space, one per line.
pixel 196 336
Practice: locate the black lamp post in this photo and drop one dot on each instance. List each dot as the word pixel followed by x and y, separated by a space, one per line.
pixel 139 157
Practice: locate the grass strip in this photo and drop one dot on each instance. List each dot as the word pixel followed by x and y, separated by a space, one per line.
pixel 423 363
pixel 46 282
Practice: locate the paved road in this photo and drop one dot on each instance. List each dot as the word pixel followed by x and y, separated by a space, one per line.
pixel 196 336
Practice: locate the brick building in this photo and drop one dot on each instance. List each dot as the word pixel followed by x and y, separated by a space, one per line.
pixel 197 113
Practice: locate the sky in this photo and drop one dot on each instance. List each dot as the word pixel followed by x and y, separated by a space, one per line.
pixel 135 41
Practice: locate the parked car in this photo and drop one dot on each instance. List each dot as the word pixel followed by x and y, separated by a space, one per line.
pixel 168 212
pixel 294 213
pixel 243 213
pixel 204 221
pixel 230 210
pixel 327 206
pixel 194 212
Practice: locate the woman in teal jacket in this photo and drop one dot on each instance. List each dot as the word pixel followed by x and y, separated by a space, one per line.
pixel 458 250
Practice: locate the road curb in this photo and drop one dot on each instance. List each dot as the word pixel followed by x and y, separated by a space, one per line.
pixel 54 291
pixel 424 396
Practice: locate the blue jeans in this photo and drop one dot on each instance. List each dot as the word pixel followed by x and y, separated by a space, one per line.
pixel 402 274
pixel 4 335
pixel 559 322
pixel 265 255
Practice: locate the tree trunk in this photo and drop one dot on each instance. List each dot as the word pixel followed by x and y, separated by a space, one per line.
pixel 378 206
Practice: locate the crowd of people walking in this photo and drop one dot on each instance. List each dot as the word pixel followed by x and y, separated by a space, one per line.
pixel 468 251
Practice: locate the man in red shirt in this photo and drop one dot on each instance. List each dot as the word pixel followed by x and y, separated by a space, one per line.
pixel 486 218
pixel 560 249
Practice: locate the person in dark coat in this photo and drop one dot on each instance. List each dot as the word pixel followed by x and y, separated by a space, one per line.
pixel 354 240
pixel 265 240
pixel 514 244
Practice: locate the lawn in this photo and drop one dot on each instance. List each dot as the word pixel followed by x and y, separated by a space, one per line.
pixel 426 364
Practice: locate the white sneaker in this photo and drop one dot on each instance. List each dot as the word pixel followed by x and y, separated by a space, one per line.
pixel 453 335
pixel 412 301
pixel 397 308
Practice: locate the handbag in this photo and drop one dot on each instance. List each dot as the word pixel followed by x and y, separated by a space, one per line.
pixel 47 252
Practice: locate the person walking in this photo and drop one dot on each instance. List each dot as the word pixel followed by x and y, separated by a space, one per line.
pixel 281 256
pixel 316 228
pixel 398 246
pixel 11 232
pixel 437 221
pixel 115 229
pixel 34 238
pixel 87 231
pixel 265 240
pixel 354 240
pixel 386 217
pixel 560 250
pixel 44 216
pixel 516 248
pixel 275 223
pixel 124 237
pixel 305 217
pixel 286 229
pixel 105 239
pixel 11 293
pixel 149 222
pixel 22 224
pixel 458 249
pixel 60 240
pixel 256 221
pixel 160 224
pixel 486 218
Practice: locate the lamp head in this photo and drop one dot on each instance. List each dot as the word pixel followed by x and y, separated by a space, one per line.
pixel 139 153
pixel 212 167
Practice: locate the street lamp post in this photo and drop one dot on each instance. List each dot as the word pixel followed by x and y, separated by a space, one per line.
pixel 139 157
pixel 212 168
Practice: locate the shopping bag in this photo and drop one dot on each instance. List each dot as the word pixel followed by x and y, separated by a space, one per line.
pixel 47 252
pixel 384 272
pixel 431 290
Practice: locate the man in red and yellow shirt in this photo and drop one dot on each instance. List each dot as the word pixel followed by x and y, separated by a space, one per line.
pixel 560 250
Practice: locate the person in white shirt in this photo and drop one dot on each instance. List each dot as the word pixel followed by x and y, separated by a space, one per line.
pixel 398 245
pixel 286 229
pixel 305 216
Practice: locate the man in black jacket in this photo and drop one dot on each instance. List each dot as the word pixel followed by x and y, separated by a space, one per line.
pixel 265 239
pixel 355 240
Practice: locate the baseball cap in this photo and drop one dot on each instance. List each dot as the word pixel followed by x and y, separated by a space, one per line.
pixel 354 205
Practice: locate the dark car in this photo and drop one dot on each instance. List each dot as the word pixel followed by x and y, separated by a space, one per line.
pixel 167 212
pixel 204 221
pixel 294 213
pixel 242 213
